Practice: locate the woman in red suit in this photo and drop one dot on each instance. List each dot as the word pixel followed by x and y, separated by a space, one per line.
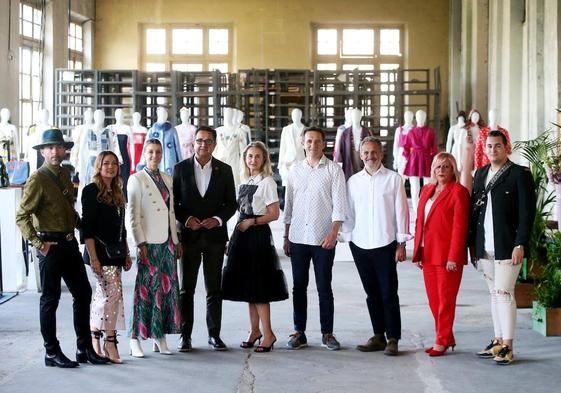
pixel 440 245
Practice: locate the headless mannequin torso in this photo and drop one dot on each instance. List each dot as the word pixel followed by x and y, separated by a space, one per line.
pixel 186 134
pixel 399 141
pixel 9 141
pixel 230 144
pixel 167 135
pixel 291 147
pixel 122 136
pixel 456 140
pixel 138 136
pixel 349 143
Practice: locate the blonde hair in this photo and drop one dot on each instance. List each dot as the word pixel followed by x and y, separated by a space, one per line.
pixel 441 158
pixel 266 169
pixel 110 195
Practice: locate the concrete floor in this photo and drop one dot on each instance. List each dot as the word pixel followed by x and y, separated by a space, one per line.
pixel 314 369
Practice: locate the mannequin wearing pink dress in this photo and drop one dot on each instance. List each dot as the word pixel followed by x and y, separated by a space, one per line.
pixel 138 137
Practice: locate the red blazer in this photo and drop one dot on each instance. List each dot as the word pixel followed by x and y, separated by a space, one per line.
pixel 446 227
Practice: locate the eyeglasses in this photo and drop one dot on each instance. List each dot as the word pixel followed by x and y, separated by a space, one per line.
pixel 207 142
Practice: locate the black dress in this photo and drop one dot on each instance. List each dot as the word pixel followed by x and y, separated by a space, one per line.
pixel 102 221
pixel 253 273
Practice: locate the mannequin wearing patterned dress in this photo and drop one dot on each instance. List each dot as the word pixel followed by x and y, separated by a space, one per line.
pixel 238 118
pixel 138 136
pixel 291 147
pixel 456 140
pixel 480 159
pixel 9 141
pixel 419 150
pixel 401 132
pixel 231 141
pixel 122 135
pixel 77 135
pixel 186 134
pixel 167 135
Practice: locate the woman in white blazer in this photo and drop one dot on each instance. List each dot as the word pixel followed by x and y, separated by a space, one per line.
pixel 155 310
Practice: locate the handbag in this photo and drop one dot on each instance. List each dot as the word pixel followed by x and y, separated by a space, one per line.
pixel 116 250
pixel 18 171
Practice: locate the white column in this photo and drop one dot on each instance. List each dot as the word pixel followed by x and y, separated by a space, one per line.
pixel 9 59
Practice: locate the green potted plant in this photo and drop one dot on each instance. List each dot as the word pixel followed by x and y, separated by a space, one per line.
pixel 546 310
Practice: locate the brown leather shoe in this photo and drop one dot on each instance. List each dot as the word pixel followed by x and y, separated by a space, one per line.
pixel 374 343
pixel 391 348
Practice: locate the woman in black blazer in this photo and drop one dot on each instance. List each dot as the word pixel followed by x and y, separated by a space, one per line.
pixel 103 207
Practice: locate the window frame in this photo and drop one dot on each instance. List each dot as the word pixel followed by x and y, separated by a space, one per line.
pixel 168 58
pixel 75 55
pixel 375 59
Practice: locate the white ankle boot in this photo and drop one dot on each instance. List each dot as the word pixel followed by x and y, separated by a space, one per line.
pixel 160 345
pixel 136 348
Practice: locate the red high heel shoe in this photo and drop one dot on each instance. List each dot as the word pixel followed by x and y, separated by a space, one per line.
pixel 435 352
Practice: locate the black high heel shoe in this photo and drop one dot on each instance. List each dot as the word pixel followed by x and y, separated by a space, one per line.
pixel 250 344
pixel 261 348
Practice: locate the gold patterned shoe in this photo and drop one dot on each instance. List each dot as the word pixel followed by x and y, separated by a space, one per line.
pixel 504 356
pixel 490 350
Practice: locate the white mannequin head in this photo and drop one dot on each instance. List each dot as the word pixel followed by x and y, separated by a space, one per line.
pixel 493 118
pixel 136 119
pixel 99 119
pixel 43 117
pixel 184 115
pixel 4 115
pixel 88 116
pixel 349 117
pixel 356 117
pixel 408 117
pixel 474 117
pixel 461 121
pixel 421 118
pixel 228 117
pixel 296 116
pixel 119 116
pixel 161 115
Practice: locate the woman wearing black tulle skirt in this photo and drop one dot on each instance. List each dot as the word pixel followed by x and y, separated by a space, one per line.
pixel 252 273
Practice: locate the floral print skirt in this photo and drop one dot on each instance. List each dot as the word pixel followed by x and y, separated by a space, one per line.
pixel 155 309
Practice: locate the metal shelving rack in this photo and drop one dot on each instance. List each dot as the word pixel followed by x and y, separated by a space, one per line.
pixel 266 97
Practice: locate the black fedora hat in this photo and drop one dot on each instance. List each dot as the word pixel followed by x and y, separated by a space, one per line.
pixel 53 136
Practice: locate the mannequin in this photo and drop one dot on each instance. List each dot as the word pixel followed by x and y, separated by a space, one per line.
pixel 475 124
pixel 456 140
pixel 93 142
pixel 33 134
pixel 481 159
pixel 9 141
pixel 230 144
pixel 138 136
pixel 348 148
pixel 340 129
pixel 238 118
pixel 399 141
pixel 186 134
pixel 419 150
pixel 291 147
pixel 122 136
pixel 167 135
pixel 78 134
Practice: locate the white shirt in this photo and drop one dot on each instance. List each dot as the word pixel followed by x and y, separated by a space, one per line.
pixel 378 212
pixel 315 198
pixel 202 178
pixel 488 220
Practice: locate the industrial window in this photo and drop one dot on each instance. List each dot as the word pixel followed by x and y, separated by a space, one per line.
pixel 31 22
pixel 362 47
pixel 186 48
pixel 75 46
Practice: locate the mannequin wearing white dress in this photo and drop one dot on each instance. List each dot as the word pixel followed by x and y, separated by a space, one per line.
pixel 456 141
pixel 9 141
pixel 77 134
pixel 138 136
pixel 291 147
pixel 340 129
pixel 398 141
pixel 186 133
pixel 238 119
pixel 230 143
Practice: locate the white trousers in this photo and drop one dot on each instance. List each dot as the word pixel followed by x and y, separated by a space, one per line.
pixel 501 276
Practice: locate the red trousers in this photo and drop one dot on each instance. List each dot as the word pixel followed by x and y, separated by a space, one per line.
pixel 442 289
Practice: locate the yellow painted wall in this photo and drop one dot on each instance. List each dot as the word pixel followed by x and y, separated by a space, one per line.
pixel 273 33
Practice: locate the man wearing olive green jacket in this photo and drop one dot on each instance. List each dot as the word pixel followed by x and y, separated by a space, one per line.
pixel 46 217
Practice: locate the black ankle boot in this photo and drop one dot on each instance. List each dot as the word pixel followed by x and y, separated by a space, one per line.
pixel 89 355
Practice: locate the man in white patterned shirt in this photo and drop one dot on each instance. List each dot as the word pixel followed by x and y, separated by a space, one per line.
pixel 315 208
pixel 377 226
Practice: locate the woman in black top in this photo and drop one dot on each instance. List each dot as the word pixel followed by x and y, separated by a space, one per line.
pixel 103 208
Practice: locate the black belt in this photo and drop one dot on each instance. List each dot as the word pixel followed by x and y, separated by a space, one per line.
pixel 55 236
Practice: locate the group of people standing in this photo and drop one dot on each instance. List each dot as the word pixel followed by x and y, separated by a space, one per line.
pixel 185 217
